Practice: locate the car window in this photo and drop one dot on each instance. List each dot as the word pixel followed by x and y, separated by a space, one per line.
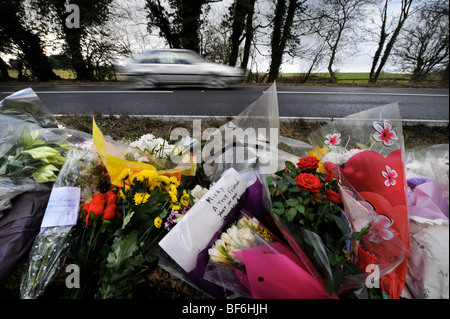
pixel 166 58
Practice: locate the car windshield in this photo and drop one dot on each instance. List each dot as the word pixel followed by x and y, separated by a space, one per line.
pixel 171 57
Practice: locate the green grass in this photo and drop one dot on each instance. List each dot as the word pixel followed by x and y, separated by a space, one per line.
pixel 68 76
pixel 362 79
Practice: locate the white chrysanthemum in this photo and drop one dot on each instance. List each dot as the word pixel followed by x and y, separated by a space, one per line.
pixel 198 192
pixel 340 158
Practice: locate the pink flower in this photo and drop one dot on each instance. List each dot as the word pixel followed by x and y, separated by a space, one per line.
pixel 384 134
pixel 390 176
pixel 333 139
pixel 380 229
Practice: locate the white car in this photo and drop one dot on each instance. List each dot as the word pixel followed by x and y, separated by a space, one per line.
pixel 178 67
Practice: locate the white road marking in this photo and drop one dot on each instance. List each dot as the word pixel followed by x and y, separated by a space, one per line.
pixel 282 118
pixel 364 93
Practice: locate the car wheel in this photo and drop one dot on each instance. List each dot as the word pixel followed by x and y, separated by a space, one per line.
pixel 215 82
pixel 146 82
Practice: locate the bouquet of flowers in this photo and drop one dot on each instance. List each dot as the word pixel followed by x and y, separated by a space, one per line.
pixel 308 208
pixel 427 174
pixel 78 178
pixel 365 152
pixel 32 147
pixel 250 261
pixel 119 224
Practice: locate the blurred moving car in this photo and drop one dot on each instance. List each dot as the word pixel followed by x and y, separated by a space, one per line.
pixel 178 67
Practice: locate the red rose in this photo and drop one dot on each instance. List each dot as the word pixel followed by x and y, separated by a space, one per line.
pixel 88 219
pixel 111 198
pixel 96 207
pixel 333 197
pixel 308 182
pixel 98 196
pixel 110 212
pixel 328 176
pixel 308 163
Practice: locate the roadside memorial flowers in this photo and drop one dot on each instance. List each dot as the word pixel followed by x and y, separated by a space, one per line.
pixel 81 170
pixel 352 202
pixel 306 204
pixel 250 261
pixel 369 164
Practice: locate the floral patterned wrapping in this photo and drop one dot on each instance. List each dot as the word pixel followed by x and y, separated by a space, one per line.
pixel 427 172
pixel 365 151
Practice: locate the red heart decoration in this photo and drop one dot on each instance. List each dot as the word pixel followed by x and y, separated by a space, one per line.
pixel 390 251
pixel 364 171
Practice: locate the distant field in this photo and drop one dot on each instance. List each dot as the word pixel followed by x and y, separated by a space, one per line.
pixel 356 79
pixel 385 79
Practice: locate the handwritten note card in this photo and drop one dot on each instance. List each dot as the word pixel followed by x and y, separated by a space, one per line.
pixel 193 233
pixel 62 207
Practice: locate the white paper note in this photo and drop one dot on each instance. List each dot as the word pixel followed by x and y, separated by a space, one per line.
pixel 62 208
pixel 194 232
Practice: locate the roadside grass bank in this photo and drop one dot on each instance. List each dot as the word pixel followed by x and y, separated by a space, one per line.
pixel 68 77
pixel 128 128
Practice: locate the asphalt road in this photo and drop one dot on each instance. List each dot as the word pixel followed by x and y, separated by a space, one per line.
pixel 421 105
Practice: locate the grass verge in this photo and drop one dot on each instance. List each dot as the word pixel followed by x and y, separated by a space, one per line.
pixel 129 128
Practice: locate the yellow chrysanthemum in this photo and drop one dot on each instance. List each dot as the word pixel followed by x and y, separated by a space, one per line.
pixel 158 222
pixel 175 207
pixel 173 192
pixel 122 176
pixel 141 198
pixel 184 200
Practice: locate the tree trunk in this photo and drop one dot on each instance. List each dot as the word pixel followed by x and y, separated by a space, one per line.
pixel 37 62
pixel 4 75
pixel 82 69
pixel 281 32
pixel 383 37
pixel 249 30
pixel 237 29
pixel 406 4
pixel 190 11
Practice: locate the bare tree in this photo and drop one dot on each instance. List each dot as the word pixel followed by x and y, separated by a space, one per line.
pixel 282 33
pixel 424 45
pixel 178 21
pixel 336 25
pixel 383 51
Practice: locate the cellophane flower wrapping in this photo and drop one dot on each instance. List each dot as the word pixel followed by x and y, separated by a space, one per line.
pixel 365 152
pixel 249 260
pixel 75 183
pixel 31 146
pixel 427 174
pixel 238 158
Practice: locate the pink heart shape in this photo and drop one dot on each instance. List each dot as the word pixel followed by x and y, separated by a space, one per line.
pixel 369 171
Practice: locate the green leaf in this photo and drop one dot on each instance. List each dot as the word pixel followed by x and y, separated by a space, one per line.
pixel 278 204
pixel 122 249
pixel 290 214
pixel 300 208
pixel 126 219
pixel 25 137
pixel 278 211
pixel 290 166
pixel 291 202
pixel 341 224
